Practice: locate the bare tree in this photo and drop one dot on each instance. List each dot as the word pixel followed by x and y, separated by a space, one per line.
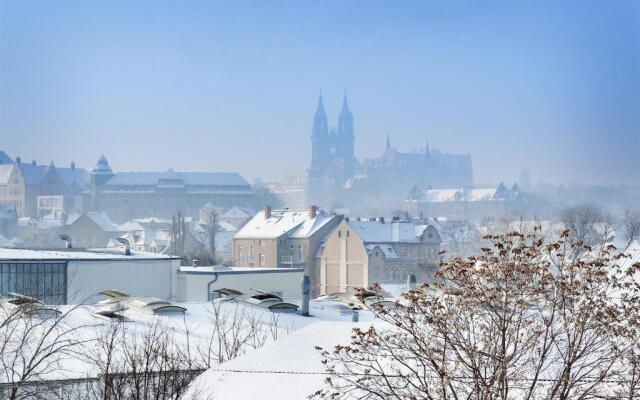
pixel 178 228
pixel 34 342
pixel 587 224
pixel 631 226
pixel 211 229
pixel 523 319
pixel 459 237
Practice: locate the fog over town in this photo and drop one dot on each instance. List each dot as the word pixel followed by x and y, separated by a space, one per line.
pixel 325 200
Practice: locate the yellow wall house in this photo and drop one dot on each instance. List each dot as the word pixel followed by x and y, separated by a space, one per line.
pixel 363 251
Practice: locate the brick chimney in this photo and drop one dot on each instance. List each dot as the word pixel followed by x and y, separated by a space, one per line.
pixel 267 212
pixel 313 211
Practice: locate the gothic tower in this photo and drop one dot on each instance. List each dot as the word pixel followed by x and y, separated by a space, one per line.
pixel 346 138
pixel 319 141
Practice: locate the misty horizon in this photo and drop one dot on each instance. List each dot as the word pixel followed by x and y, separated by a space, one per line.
pixel 548 87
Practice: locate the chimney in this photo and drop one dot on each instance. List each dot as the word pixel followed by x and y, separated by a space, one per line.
pixel 267 212
pixel 313 211
pixel 411 282
pixel 381 219
pixel 195 262
pixel 306 288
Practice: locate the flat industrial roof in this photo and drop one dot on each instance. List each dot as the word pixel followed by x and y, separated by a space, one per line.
pixel 115 254
pixel 209 270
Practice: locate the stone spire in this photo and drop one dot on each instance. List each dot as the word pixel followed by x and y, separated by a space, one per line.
pixel 320 108
pixel 345 105
pixel 388 142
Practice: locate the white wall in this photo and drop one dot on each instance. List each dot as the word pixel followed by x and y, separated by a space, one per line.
pixel 138 277
pixel 193 286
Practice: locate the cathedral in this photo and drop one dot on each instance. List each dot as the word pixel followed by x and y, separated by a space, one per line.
pixel 337 179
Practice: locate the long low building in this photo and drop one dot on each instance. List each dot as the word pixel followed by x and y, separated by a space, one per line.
pixel 71 276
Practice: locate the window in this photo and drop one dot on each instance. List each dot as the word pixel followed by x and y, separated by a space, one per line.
pixel 339 233
pixel 332 150
pixel 301 253
pixel 262 260
pixel 240 255
pixel 347 233
pixel 44 281
pixel 403 249
pixel 251 253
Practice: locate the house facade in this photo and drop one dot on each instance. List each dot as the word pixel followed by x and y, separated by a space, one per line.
pixel 360 252
pixel 283 238
pixel 12 188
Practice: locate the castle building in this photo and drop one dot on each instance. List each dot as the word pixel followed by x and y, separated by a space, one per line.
pixel 128 195
pixel 336 178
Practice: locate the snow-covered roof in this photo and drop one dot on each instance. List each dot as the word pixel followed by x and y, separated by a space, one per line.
pixel 387 231
pixel 288 368
pixel 292 223
pixel 187 178
pixel 464 194
pixel 72 254
pixel 236 213
pixel 99 218
pixel 5 173
pixel 387 249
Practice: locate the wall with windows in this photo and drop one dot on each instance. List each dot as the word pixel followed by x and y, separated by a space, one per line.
pixel 76 281
pixel 46 281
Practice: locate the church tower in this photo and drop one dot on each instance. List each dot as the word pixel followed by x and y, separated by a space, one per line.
pixel 319 141
pixel 346 138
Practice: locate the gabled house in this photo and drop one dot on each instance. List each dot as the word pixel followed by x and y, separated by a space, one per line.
pixel 360 252
pixel 283 238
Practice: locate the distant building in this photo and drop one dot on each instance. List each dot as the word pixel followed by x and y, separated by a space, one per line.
pixel 127 195
pixel 12 188
pixel 93 229
pixel 24 186
pixel 465 203
pixel 336 178
pixel 282 238
pixel 360 252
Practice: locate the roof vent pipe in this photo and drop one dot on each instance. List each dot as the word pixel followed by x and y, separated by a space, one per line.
pixel 127 246
pixel 306 288
pixel 67 240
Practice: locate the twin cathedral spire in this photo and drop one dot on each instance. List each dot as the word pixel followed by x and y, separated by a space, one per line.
pixel 332 149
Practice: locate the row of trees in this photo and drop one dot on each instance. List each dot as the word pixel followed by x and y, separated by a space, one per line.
pixel 588 223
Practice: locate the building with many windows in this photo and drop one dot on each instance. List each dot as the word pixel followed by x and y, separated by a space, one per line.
pixel 128 195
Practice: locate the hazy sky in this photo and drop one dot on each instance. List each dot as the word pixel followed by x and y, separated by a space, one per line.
pixel 198 85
